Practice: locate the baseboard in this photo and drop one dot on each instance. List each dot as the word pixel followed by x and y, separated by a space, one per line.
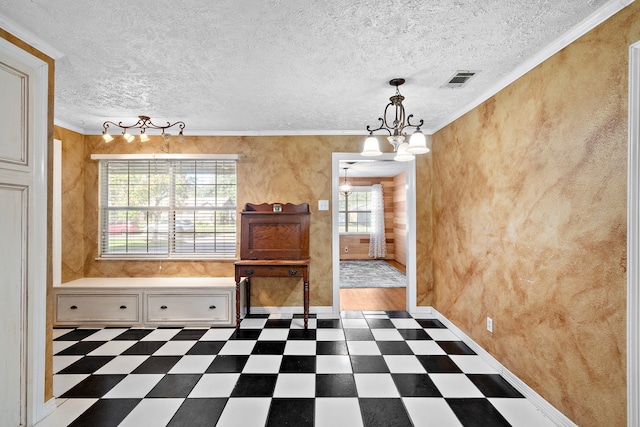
pixel 538 401
pixel 48 408
pixel 291 310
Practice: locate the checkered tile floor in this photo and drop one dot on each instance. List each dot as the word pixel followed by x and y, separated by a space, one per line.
pixel 381 368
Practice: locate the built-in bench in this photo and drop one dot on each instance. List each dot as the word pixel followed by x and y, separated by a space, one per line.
pixel 140 301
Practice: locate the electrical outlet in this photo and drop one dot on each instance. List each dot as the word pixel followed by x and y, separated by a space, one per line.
pixel 346 248
pixel 490 324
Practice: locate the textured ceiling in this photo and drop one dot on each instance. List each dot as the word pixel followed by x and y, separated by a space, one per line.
pixel 284 66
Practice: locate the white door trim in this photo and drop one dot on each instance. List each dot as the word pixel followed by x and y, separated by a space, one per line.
pixel 633 241
pixel 411 226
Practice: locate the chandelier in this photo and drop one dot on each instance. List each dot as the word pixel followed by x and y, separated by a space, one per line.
pixel 143 123
pixel 395 122
pixel 345 187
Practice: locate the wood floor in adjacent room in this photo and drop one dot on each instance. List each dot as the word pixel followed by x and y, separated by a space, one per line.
pixel 374 298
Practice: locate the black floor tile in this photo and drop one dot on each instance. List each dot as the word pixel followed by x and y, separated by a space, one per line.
pixel 278 323
pixel 228 364
pixel 332 347
pixel 455 347
pixel 415 385
pixel 438 364
pixel 269 347
pixel 143 348
pixel 87 365
pixel 368 364
pixel 431 323
pixel 105 413
pixel 414 334
pixel 175 385
pixel 399 314
pixel 493 385
pixel 329 323
pixel 358 334
pixel 302 334
pixel 157 365
pixel 380 323
pixel 77 335
pixel 206 348
pixel 198 413
pixel 189 334
pixel 477 413
pixel 394 347
pixel 81 348
pixel 255 385
pixel 336 385
pixel 133 335
pixel 257 316
pixel 94 386
pixel 298 364
pixel 245 334
pixel 384 413
pixel 291 412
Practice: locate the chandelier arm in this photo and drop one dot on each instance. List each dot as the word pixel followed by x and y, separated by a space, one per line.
pixel 382 127
pixel 409 124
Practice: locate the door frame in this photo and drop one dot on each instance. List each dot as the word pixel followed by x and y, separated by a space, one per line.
pixel 410 172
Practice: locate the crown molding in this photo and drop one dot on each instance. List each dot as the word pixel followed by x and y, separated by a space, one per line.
pixel 28 37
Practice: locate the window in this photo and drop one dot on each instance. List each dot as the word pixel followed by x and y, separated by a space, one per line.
pixel 166 208
pixel 355 211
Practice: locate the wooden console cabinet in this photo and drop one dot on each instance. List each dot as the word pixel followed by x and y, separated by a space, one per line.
pixel 274 243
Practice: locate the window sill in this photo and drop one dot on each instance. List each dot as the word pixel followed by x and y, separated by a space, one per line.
pixel 123 258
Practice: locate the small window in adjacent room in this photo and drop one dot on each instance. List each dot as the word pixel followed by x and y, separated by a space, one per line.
pixel 355 211
pixel 167 208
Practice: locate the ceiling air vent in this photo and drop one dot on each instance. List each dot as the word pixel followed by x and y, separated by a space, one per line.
pixel 459 79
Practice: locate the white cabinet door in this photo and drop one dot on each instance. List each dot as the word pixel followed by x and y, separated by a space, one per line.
pixel 23 240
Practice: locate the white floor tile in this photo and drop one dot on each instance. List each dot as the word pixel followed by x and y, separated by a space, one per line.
pixel 404 364
pixel 196 364
pixel 338 412
pixel 152 412
pixel 217 334
pixel 375 385
pixel 355 323
pixel 58 346
pixel 274 334
pixel 214 385
pixel 333 364
pixel 65 382
pixel 455 385
pixel 363 348
pixel 105 334
pixel 61 362
pixel 441 334
pixel 327 316
pixel 300 348
pixel 430 412
pixel 245 412
pixel 426 347
pixel 387 334
pixel 295 385
pixel 472 364
pixel 330 334
pixel 521 413
pixel 58 332
pixel 112 348
pixel 175 348
pixel 252 323
pixel 237 347
pixel 122 365
pixel 263 363
pixel 68 411
pixel 161 335
pixel 134 386
pixel 406 324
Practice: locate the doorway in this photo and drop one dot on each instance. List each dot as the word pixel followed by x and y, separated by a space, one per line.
pixel 402 298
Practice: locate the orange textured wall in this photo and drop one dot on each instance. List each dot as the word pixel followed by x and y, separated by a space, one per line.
pixel 529 205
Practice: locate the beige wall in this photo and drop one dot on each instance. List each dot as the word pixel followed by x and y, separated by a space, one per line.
pixel 529 205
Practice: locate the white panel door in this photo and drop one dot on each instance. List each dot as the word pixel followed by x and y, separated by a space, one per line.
pixel 23 240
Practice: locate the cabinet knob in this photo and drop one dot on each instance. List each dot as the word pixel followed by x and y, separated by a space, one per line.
pixel 74 307
pixel 248 271
pixel 212 307
pixel 164 307
pixel 123 307
pixel 293 272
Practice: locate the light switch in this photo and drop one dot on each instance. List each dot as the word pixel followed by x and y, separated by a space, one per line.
pixel 323 205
